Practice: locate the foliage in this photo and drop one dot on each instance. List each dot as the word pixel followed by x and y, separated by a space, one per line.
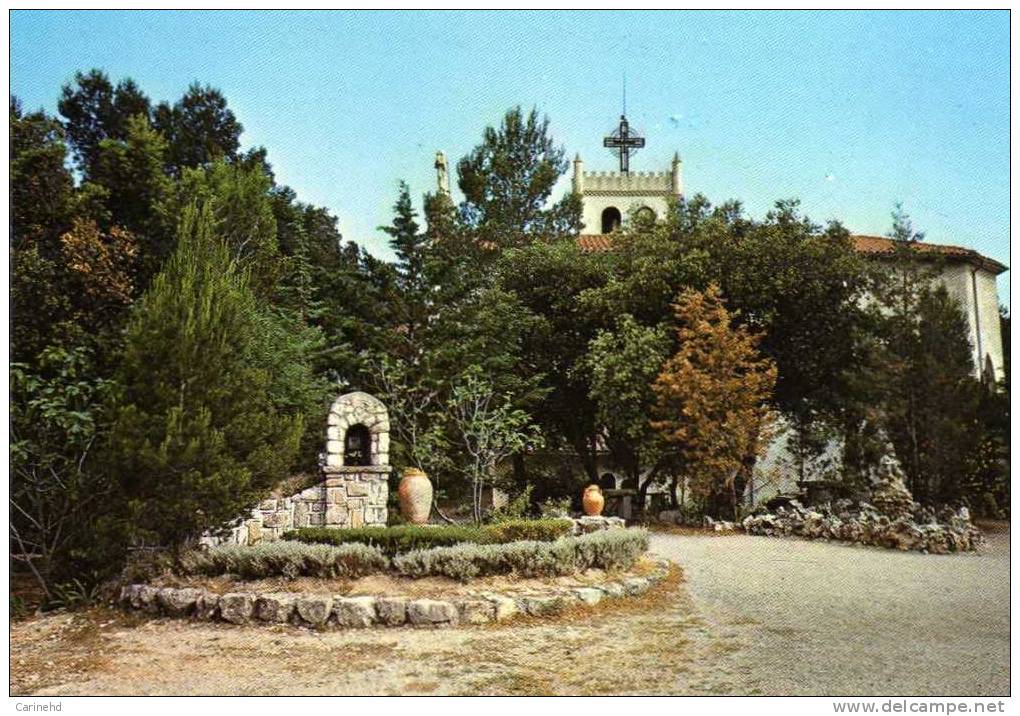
pixel 284 559
pixel 487 429
pixel 199 127
pixel 606 549
pixel 540 530
pixel 101 271
pixel 515 509
pixel 507 181
pixel 622 364
pixel 932 397
pixel 197 437
pixel 96 111
pixel 405 538
pixel 56 491
pixel 711 398
pixel 921 372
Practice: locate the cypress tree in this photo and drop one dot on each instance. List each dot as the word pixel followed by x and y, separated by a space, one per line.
pixel 197 437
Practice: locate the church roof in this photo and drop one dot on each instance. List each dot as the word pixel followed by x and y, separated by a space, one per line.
pixel 868 245
pixel 883 246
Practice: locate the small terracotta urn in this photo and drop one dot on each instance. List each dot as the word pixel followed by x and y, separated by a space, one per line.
pixel 415 493
pixel 593 501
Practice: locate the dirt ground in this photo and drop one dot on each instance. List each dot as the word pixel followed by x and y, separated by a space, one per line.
pixel 752 615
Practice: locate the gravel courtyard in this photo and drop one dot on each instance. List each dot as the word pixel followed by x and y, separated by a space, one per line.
pixel 752 615
pixel 827 618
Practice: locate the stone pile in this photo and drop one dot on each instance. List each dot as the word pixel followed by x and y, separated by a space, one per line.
pixel 920 529
pixel 344 612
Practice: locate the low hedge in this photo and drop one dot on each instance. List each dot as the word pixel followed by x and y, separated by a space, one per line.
pixel 408 538
pixel 608 549
pixel 285 559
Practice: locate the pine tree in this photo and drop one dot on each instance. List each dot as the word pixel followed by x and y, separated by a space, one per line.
pixel 413 287
pixel 507 181
pixel 197 437
pixel 711 398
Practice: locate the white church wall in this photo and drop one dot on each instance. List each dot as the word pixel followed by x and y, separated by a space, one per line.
pixel 594 205
pixel 975 290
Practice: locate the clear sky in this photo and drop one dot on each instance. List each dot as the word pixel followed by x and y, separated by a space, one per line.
pixel 848 111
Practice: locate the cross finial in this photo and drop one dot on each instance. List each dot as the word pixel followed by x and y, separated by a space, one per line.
pixel 623 143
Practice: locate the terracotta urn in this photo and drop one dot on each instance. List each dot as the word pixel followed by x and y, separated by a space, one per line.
pixel 593 501
pixel 415 493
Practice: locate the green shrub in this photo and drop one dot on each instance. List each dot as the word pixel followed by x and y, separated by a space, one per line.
pixel 609 549
pixel 407 538
pixel 545 530
pixel 285 559
pixel 390 540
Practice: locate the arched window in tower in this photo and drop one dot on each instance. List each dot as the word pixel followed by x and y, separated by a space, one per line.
pixel 646 216
pixel 611 219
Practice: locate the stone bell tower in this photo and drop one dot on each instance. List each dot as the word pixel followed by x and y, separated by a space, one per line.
pixel 609 198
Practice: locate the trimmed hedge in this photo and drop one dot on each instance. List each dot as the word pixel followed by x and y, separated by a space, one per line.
pixel 285 559
pixel 408 538
pixel 608 549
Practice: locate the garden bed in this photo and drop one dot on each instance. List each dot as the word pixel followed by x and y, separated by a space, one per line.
pixel 356 584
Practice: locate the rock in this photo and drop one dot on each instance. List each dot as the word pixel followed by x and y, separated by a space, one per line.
pixel 207 606
pixel 635 585
pixel 539 605
pixel 391 611
pixel 475 611
pixel 178 602
pixel 355 612
pixel 431 612
pixel 274 607
pixel 146 599
pixel 237 607
pixel 314 609
pixel 594 523
pixel 503 606
pixel 613 589
pixel 920 529
pixel 130 595
pixel 589 595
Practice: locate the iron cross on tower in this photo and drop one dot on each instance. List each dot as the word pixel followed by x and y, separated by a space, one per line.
pixel 623 143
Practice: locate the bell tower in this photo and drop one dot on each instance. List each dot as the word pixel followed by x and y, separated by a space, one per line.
pixel 610 198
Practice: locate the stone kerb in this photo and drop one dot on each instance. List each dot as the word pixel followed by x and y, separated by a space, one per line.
pixel 358 612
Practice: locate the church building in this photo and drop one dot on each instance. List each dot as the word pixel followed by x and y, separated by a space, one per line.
pixel 611 198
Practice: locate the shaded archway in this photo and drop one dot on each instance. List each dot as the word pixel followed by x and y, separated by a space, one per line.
pixel 358 446
pixel 611 219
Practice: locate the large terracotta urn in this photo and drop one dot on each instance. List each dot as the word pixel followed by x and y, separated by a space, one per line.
pixel 415 493
pixel 593 501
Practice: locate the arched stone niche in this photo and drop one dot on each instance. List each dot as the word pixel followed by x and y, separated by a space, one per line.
pixel 357 466
pixel 349 411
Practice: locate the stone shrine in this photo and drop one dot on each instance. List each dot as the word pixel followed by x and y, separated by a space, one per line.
pixel 355 472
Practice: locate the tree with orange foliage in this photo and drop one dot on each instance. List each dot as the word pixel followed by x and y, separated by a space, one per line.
pixel 101 263
pixel 711 398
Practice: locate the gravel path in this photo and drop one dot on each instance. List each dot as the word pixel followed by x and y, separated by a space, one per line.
pixel 823 618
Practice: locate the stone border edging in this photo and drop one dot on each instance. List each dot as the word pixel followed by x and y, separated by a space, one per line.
pixel 324 610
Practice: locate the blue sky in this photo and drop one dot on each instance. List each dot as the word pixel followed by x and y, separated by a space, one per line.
pixel 848 111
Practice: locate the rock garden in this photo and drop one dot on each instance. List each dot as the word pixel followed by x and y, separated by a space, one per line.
pixel 922 529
